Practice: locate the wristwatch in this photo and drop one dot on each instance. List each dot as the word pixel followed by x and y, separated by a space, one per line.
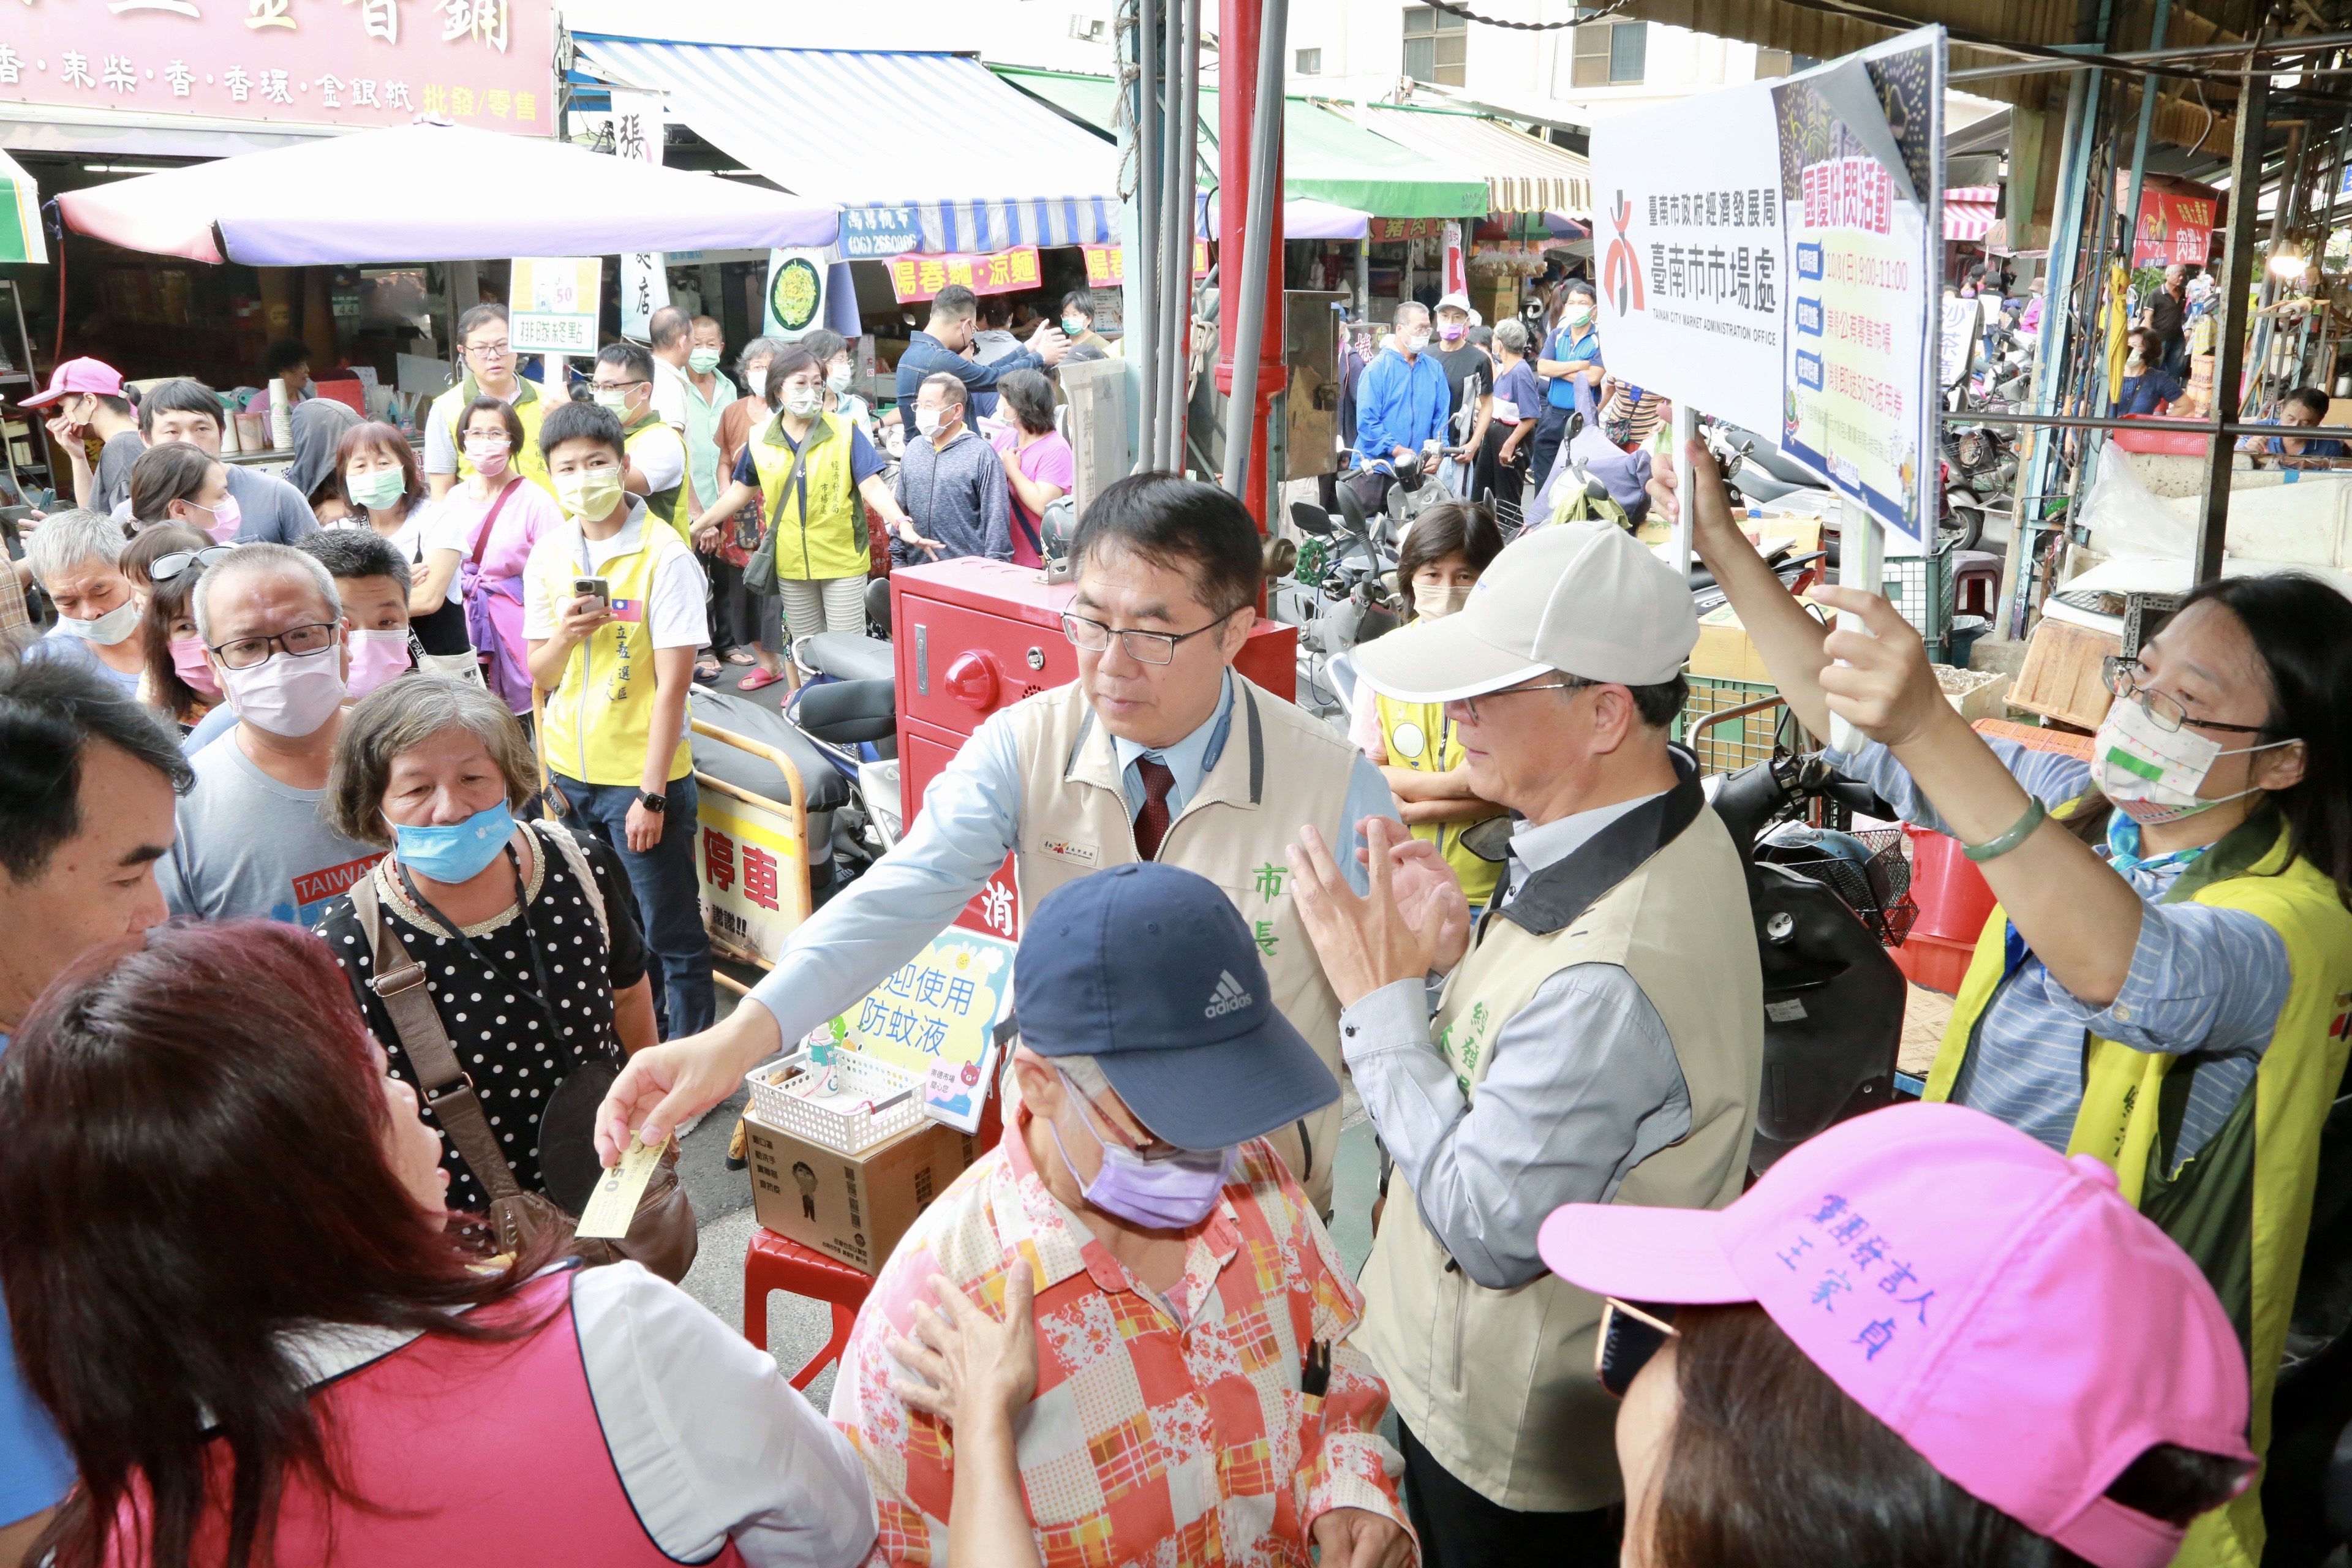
pixel 653 801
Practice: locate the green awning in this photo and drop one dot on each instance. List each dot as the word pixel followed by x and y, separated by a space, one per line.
pixel 20 215
pixel 1325 156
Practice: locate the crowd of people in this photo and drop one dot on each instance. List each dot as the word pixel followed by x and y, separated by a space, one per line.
pixel 324 1000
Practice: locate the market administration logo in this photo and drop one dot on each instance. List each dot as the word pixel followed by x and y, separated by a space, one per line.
pixel 1621 272
pixel 1231 996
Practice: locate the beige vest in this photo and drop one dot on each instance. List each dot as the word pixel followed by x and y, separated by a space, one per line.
pixel 1497 1384
pixel 1279 768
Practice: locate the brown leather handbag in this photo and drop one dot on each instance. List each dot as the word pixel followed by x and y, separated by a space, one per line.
pixel 662 1237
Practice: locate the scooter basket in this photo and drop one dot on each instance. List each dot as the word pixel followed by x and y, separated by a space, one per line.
pixel 1890 919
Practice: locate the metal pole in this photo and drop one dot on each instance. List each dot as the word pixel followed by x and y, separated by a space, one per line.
pixel 1141 257
pixel 1245 292
pixel 2049 354
pixel 1185 114
pixel 2230 334
pixel 2258 354
pixel 1175 226
pixel 2148 87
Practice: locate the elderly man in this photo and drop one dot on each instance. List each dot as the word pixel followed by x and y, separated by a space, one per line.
pixel 251 838
pixel 1198 1399
pixel 1159 751
pixel 1599 1041
pixel 76 557
pixel 940 346
pixel 670 330
pixel 85 813
pixel 1401 404
pixel 951 483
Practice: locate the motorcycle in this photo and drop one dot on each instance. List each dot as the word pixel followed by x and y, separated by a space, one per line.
pixel 1343 593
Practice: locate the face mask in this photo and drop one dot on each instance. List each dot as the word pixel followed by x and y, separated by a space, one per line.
pixel 1175 1193
pixel 803 402
pixel 1412 343
pixel 1430 600
pixel 757 380
pixel 702 361
pixel 189 662
pixel 108 629
pixel 376 657
pixel 458 851
pixel 488 458
pixel 227 518
pixel 286 695
pixel 588 492
pixel 927 422
pixel 838 378
pixel 615 398
pixel 1453 330
pixel 1073 327
pixel 1577 316
pixel 2138 764
pixel 378 489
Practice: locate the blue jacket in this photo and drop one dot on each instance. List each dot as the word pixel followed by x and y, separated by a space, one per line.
pixel 2140 393
pixel 1401 402
pixel 926 355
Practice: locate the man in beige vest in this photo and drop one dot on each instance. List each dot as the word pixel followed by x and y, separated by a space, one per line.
pixel 1159 751
pixel 1599 1041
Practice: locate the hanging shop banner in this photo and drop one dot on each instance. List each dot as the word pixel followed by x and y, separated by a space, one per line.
pixel 553 303
pixel 870 234
pixel 1457 278
pixel 644 288
pixel 2172 227
pixel 914 278
pixel 484 63
pixel 795 296
pixel 1106 263
pixel 1766 252
pixel 1386 230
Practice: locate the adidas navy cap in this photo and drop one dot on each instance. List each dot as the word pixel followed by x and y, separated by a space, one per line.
pixel 1151 971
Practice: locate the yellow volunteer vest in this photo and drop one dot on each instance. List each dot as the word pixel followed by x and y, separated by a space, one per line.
pixel 2241 1205
pixel 1418 736
pixel 529 406
pixel 667 504
pixel 818 519
pixel 597 723
pixel 1497 1384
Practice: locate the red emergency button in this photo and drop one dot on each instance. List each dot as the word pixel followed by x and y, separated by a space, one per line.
pixel 970 679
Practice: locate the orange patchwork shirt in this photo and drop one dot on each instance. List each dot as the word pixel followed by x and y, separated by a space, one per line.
pixel 1169 1430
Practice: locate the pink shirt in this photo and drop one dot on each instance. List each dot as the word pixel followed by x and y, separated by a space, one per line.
pixel 1047 460
pixel 530 512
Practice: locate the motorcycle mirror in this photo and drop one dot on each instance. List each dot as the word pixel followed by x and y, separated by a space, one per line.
pixel 1310 518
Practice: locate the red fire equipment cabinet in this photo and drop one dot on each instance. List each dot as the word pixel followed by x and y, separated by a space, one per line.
pixel 972 636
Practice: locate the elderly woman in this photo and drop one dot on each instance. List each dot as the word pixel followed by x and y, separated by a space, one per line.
pixel 76 558
pixel 527 934
pixel 230 1277
pixel 2162 986
pixel 744 623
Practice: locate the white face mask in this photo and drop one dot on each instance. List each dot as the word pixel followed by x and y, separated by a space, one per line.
pixel 757 380
pixel 802 402
pixel 838 378
pixel 286 694
pixel 928 422
pixel 1431 600
pixel 108 629
pixel 2138 763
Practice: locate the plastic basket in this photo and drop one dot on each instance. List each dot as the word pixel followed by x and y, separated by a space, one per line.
pixel 849 1126
pixel 1890 916
pixel 1733 744
pixel 1921 587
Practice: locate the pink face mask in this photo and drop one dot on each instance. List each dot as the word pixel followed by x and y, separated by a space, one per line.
pixel 227 518
pixel 376 657
pixel 188 660
pixel 488 458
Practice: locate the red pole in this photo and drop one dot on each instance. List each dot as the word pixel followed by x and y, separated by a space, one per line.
pixel 1237 52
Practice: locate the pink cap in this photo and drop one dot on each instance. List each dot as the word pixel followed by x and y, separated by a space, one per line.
pixel 1999 1305
pixel 80 375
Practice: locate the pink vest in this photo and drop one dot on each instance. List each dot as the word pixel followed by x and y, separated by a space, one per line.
pixel 474 1453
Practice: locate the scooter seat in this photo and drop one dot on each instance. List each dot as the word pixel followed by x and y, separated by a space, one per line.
pixel 850 712
pixel 755 720
pixel 847 656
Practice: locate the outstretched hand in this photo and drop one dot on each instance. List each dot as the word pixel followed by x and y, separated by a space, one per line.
pixel 1368 943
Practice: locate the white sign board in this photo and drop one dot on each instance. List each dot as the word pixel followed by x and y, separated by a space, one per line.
pixel 644 288
pixel 1963 330
pixel 552 304
pixel 1767 253
pixel 794 300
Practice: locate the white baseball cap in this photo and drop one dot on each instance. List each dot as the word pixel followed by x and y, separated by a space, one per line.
pixel 1580 597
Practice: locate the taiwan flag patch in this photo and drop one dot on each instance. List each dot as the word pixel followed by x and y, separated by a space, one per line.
pixel 630 610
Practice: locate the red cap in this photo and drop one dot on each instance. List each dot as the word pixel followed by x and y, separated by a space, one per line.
pixel 80 375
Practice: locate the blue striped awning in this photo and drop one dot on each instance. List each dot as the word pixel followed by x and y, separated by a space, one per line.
pixel 834 125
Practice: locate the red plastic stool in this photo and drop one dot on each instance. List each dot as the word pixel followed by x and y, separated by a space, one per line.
pixel 774 1263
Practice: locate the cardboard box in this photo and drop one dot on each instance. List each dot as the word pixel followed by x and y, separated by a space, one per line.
pixel 853 1207
pixel 1725 651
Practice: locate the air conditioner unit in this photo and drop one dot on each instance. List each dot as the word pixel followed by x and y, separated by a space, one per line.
pixel 1088 29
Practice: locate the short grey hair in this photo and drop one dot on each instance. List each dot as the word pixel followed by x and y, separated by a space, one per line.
pixel 758 348
pixel 1511 333
pixel 1087 1073
pixel 400 716
pixel 69 539
pixel 261 558
pixel 1408 311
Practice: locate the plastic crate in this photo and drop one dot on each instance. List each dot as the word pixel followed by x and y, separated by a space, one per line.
pixel 1921 587
pixel 888 1101
pixel 1728 747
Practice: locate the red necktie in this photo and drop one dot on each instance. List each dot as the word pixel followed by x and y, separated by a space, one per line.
pixel 1151 822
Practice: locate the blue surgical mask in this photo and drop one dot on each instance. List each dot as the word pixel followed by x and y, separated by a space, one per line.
pixel 1176 1193
pixel 457 852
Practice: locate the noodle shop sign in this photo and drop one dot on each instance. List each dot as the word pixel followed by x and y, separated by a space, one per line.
pixel 354 63
pixel 914 278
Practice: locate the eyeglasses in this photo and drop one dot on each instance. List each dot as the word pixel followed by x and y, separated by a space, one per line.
pixel 615 385
pixel 1630 1335
pixel 243 653
pixel 1144 647
pixel 167 567
pixel 2127 677
pixel 489 351
pixel 1573 683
